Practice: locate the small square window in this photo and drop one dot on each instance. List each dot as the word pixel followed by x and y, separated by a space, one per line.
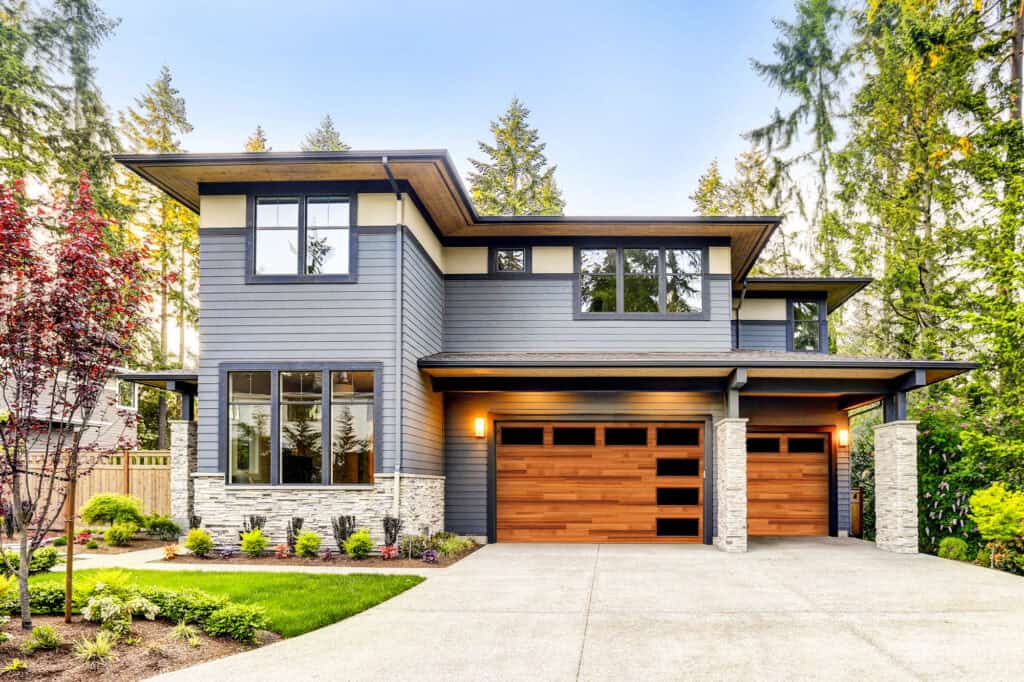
pixel 510 260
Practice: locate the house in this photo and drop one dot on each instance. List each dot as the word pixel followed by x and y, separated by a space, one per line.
pixel 370 345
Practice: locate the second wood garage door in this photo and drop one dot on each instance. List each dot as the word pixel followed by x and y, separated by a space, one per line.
pixel 787 483
pixel 599 482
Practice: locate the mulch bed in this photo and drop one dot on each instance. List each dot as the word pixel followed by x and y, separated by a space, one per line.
pixel 342 560
pixel 156 652
pixel 135 546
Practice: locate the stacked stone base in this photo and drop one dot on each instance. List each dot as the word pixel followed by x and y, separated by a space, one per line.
pixel 223 508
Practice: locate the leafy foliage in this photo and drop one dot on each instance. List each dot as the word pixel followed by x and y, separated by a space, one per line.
pixel 359 544
pixel 111 508
pixel 162 526
pixel 342 527
pixel 254 542
pixel 257 142
pixel 184 606
pixel 42 560
pixel 199 542
pixel 237 621
pixel 953 548
pixel 325 138
pixel 120 534
pixel 307 544
pixel 43 637
pixel 98 650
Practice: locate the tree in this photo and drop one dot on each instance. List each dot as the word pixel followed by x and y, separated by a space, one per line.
pixel 515 178
pixel 325 138
pixel 87 137
pixel 70 305
pixel 709 197
pixel 156 124
pixel 257 142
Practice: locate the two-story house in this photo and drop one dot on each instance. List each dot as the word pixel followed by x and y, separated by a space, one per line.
pixel 370 345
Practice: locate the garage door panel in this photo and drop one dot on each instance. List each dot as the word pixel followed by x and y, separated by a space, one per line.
pixel 787 490
pixel 598 493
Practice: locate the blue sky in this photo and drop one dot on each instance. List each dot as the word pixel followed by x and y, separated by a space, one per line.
pixel 633 98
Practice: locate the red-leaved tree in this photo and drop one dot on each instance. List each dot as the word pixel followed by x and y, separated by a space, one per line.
pixel 70 302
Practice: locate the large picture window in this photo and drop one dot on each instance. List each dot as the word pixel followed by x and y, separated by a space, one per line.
pixel 303 237
pixel 302 425
pixel 634 280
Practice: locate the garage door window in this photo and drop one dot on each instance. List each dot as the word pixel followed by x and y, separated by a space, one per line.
pixel 620 436
pixel 678 467
pixel 573 435
pixel 522 435
pixel 678 437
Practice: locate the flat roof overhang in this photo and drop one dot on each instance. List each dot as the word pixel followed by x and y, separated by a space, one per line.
pixel 854 380
pixel 438 188
pixel 166 380
pixel 837 290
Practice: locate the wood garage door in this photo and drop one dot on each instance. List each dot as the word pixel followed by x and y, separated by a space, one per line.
pixel 787 483
pixel 599 482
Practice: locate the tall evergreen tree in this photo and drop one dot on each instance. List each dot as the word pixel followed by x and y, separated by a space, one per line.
pixel 709 197
pixel 515 178
pixel 257 142
pixel 155 124
pixel 325 138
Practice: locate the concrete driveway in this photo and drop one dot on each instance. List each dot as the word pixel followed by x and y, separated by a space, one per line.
pixel 817 608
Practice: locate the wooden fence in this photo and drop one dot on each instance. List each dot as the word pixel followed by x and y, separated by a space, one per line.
pixel 146 474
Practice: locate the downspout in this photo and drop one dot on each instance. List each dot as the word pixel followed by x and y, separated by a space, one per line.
pixel 399 368
pixel 739 304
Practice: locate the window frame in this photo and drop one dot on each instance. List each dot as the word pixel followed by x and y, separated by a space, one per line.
pixel 302 196
pixel 275 369
pixel 662 246
pixel 791 321
pixel 492 260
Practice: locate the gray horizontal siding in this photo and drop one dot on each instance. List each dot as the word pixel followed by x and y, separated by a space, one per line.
pixel 763 335
pixel 422 334
pixel 537 315
pixel 292 322
pixel 466 455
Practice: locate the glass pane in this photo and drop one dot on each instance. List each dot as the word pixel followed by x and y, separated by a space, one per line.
pixel 678 436
pixel 277 252
pixel 683 294
pixel 301 443
pixel 522 435
pixel 249 387
pixel 815 445
pixel 769 444
pixel 678 467
pixel 805 310
pixel 640 261
pixel 805 335
pixel 327 212
pixel 301 386
pixel 352 427
pixel 640 294
pixel 683 262
pixel 125 394
pixel 597 260
pixel 573 435
pixel 597 293
pixel 510 260
pixel 625 436
pixel 326 252
pixel 250 443
pixel 277 213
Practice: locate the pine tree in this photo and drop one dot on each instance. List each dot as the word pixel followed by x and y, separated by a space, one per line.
pixel 325 138
pixel 515 179
pixel 257 142
pixel 709 198
pixel 156 124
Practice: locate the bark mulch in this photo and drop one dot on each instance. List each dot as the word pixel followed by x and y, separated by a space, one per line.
pixel 338 560
pixel 156 652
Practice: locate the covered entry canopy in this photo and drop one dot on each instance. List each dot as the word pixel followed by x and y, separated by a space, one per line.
pixel 183 382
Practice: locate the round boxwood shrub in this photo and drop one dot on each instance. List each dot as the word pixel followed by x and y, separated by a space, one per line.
pixel 111 508
pixel 199 542
pixel 92 544
pixel 120 534
pixel 307 544
pixel 254 542
pixel 60 541
pixel 237 621
pixel 359 544
pixel 953 548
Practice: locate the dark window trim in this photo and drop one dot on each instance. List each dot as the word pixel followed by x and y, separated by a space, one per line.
pixel 820 299
pixel 281 192
pixel 275 369
pixel 620 246
pixel 492 260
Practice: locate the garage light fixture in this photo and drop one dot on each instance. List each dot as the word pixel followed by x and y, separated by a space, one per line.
pixel 479 427
pixel 844 437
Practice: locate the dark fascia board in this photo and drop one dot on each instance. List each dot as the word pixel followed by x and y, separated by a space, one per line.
pixel 179 382
pixel 844 287
pixel 867 363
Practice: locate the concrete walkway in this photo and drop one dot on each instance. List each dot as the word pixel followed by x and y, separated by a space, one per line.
pixel 821 608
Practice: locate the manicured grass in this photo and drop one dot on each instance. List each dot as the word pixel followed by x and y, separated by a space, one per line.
pixel 295 602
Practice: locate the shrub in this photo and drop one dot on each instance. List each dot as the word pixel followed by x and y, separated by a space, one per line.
pixel 281 551
pixel 953 548
pixel 199 542
pixel 453 546
pixel 4 636
pixel 254 542
pixel 984 557
pixel 8 594
pixel 186 632
pixel 60 541
pixel 92 544
pixel 83 537
pixel 184 606
pixel 413 546
pixel 170 551
pixel 111 508
pixel 388 552
pixel 307 544
pixel 43 559
pixel 237 621
pixel 162 527
pixel 113 599
pixel 42 637
pixel 327 555
pixel 294 528
pixel 359 544
pixel 440 536
pixel 343 527
pixel 46 598
pixel 999 513
pixel 392 526
pixel 430 556
pixel 15 666
pixel 120 534
pixel 97 650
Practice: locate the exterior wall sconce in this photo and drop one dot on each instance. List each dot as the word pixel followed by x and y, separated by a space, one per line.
pixel 479 427
pixel 844 437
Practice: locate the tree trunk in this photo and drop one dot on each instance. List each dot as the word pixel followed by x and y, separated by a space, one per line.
pixel 161 435
pixel 181 307
pixel 23 566
pixel 1016 66
pixel 69 527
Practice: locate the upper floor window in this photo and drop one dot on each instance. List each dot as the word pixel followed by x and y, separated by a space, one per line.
pixel 667 281
pixel 303 236
pixel 510 260
pixel 807 325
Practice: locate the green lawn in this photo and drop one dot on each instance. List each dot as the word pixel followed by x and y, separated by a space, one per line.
pixel 295 602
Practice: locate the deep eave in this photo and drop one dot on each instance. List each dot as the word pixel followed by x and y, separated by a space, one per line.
pixel 168 380
pixel 837 290
pixel 438 188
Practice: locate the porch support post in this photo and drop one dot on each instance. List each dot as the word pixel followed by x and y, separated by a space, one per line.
pixel 731 484
pixel 896 486
pixel 183 464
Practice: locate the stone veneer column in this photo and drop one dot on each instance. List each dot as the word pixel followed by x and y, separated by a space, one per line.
pixel 896 487
pixel 731 484
pixel 183 465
